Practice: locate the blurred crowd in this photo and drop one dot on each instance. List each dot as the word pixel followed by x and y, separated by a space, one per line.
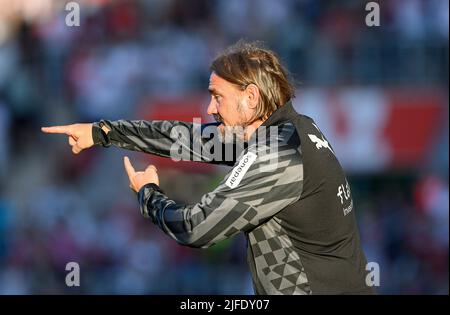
pixel 56 207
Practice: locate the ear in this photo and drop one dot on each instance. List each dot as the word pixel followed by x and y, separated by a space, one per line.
pixel 252 94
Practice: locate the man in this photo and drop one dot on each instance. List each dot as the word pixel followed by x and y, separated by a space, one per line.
pixel 287 191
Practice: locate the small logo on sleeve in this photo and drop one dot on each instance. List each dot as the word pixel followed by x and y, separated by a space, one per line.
pixel 239 171
pixel 320 143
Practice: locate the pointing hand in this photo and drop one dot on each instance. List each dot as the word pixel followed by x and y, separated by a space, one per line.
pixel 79 135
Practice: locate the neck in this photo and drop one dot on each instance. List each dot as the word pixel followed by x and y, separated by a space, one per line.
pixel 250 129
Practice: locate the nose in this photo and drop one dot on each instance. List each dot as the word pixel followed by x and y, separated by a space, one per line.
pixel 212 108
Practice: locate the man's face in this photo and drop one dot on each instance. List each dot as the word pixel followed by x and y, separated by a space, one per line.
pixel 229 106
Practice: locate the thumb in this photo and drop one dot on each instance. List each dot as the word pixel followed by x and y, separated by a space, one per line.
pixel 128 167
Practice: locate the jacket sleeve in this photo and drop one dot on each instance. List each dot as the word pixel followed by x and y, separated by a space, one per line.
pixel 254 191
pixel 175 139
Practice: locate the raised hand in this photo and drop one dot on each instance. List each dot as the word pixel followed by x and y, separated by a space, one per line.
pixel 139 179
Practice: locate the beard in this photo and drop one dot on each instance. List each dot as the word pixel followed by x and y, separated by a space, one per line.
pixel 232 134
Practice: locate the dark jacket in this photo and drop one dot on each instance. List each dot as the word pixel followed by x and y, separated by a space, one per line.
pixel 286 192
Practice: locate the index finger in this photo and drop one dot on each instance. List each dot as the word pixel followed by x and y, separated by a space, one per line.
pixel 57 129
pixel 128 167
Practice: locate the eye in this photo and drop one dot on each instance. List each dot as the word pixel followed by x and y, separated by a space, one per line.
pixel 218 98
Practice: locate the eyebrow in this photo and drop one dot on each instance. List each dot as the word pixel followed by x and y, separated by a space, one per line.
pixel 213 90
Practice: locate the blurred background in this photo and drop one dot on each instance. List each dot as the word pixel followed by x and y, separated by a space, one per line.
pixel 380 95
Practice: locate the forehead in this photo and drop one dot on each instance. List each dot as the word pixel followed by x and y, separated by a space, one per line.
pixel 216 83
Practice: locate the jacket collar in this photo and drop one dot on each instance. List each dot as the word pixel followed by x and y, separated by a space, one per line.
pixel 281 115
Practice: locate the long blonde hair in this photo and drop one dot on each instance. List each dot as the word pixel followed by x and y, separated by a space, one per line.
pixel 247 63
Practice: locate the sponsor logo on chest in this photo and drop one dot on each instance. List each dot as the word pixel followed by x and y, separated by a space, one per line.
pixel 239 171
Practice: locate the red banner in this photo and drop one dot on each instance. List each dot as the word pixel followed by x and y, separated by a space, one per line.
pixel 370 129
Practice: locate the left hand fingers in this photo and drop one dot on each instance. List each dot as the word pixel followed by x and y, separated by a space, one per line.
pixel 151 167
pixel 139 179
pixel 151 174
pixel 128 167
